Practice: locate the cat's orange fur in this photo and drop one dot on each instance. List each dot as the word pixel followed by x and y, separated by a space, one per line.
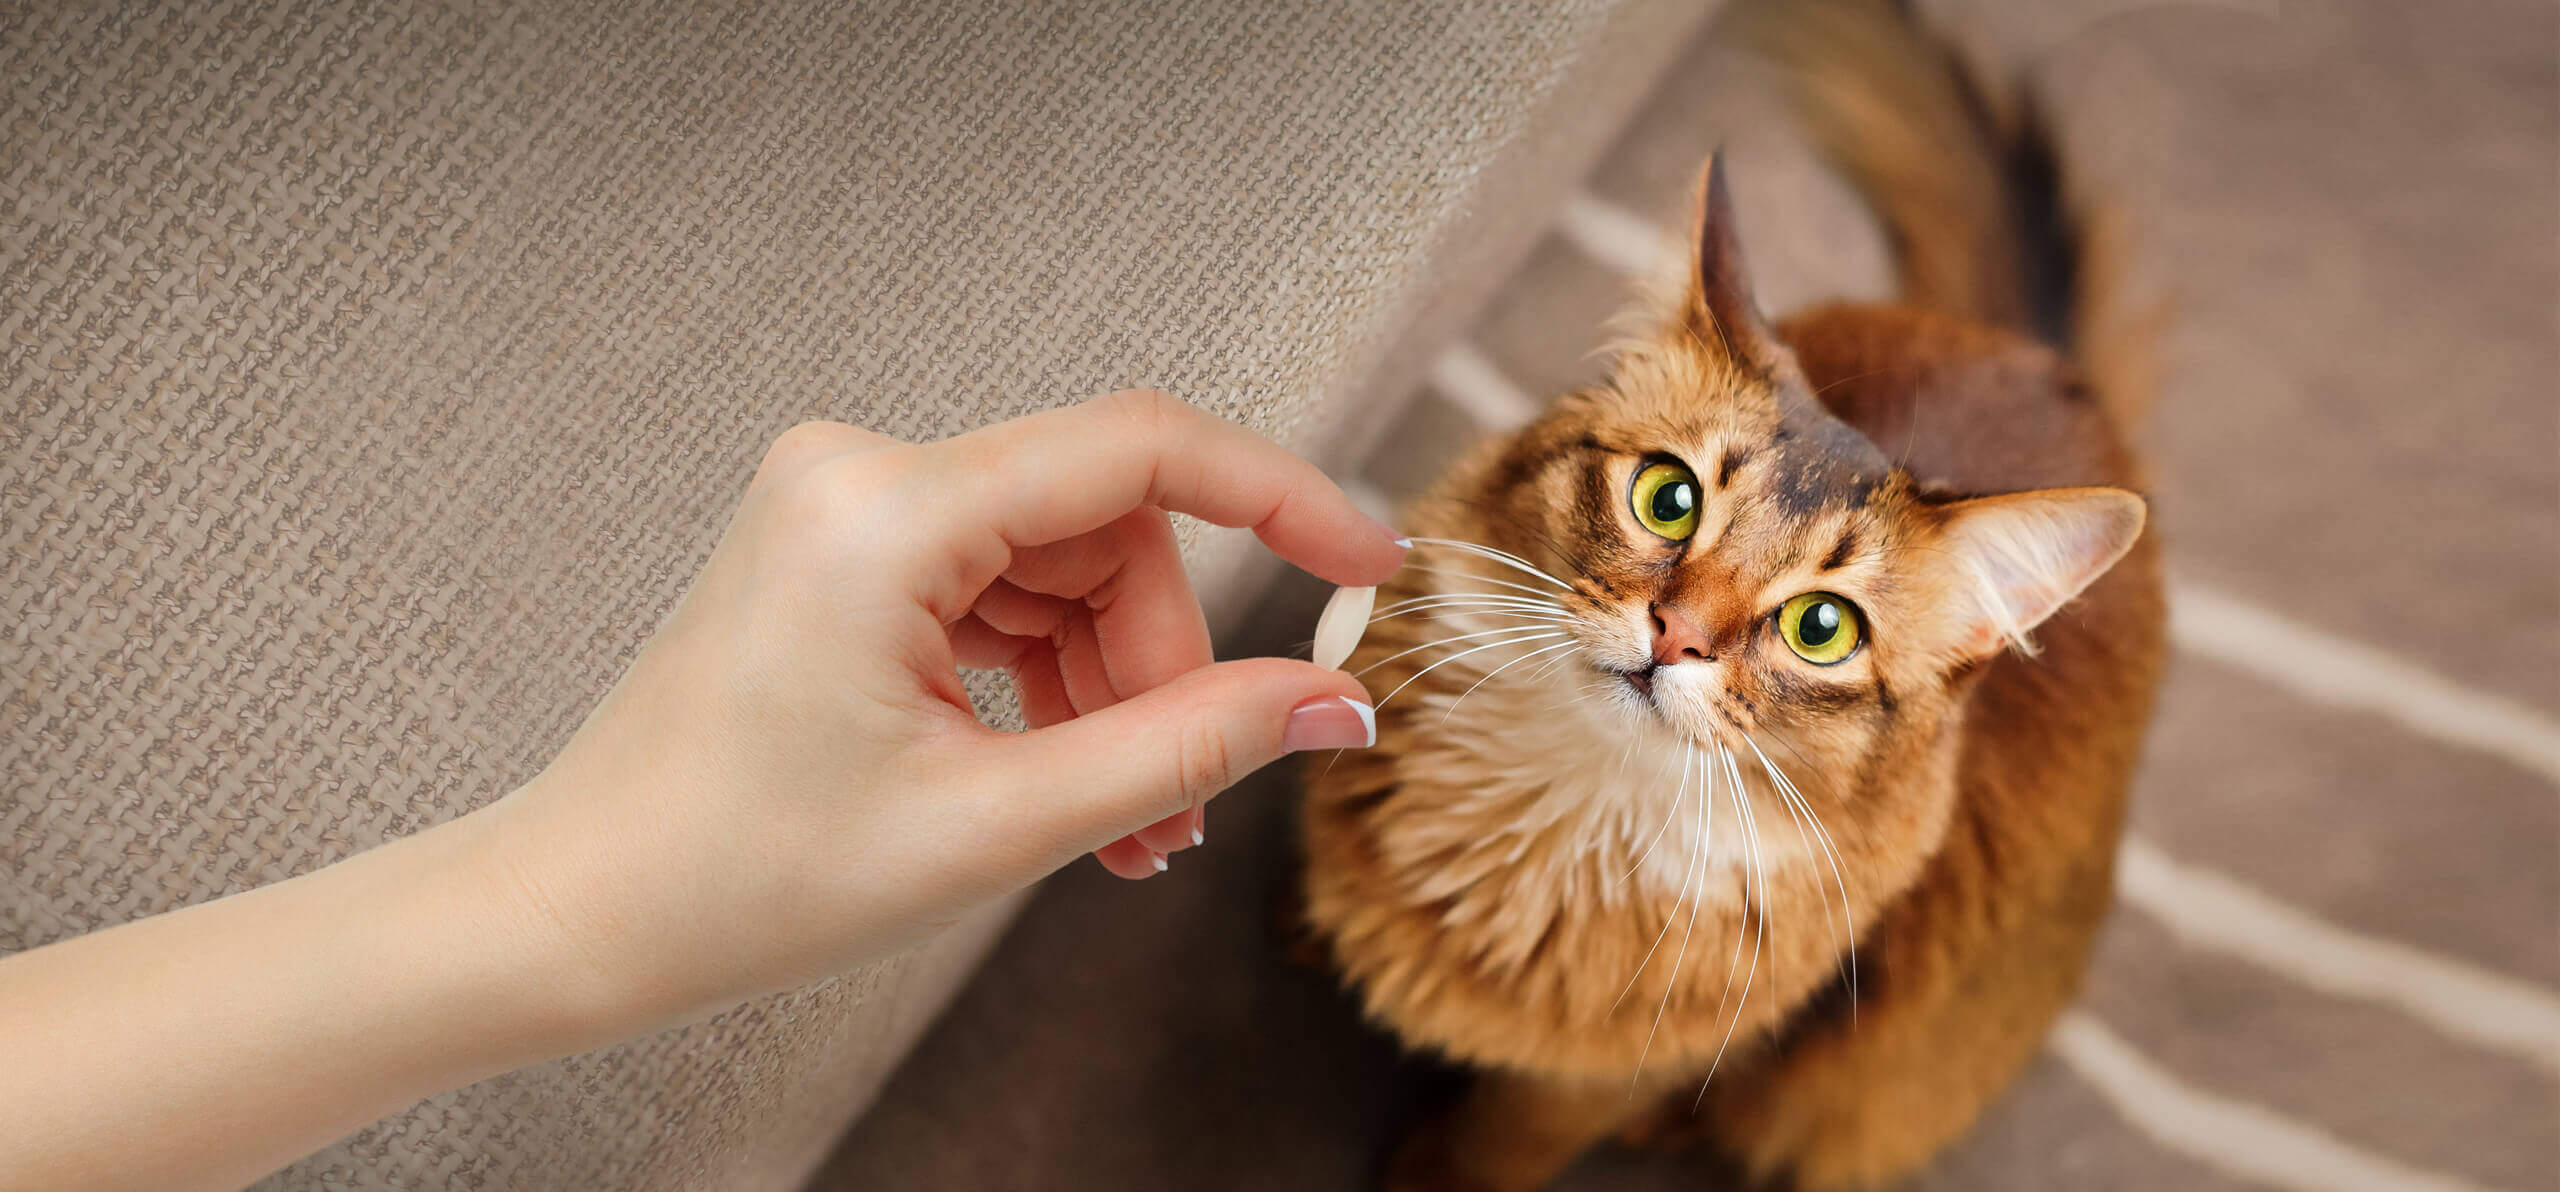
pixel 1527 874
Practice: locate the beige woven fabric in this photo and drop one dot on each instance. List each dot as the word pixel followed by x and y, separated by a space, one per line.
pixel 373 377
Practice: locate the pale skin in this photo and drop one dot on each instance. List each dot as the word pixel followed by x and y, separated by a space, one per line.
pixel 788 783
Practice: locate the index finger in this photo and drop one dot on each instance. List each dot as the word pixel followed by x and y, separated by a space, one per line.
pixel 1065 472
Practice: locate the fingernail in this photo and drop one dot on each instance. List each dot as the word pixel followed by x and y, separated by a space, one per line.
pixel 1158 858
pixel 1330 722
pixel 1397 536
pixel 1199 826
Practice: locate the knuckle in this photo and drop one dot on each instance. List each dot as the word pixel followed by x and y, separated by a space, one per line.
pixel 805 441
pixel 1204 763
pixel 1148 409
pixel 806 498
pixel 822 508
pixel 972 455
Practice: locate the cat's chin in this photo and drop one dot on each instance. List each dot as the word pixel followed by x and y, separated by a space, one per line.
pixel 1637 693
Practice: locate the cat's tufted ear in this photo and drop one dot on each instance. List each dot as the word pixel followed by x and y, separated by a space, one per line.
pixel 2021 556
pixel 1718 307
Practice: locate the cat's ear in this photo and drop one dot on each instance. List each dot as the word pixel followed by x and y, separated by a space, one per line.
pixel 2021 556
pixel 1718 307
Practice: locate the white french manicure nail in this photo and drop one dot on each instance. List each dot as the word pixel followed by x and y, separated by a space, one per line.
pixel 1368 718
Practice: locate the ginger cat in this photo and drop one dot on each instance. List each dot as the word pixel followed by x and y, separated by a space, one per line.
pixel 1777 725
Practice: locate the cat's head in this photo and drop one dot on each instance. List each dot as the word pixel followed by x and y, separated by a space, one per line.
pixel 1748 566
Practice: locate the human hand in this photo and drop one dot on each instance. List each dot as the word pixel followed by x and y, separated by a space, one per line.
pixel 790 780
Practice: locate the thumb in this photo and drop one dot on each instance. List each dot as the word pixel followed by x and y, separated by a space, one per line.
pixel 1116 770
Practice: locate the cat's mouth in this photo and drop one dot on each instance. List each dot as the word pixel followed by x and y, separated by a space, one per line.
pixel 1640 680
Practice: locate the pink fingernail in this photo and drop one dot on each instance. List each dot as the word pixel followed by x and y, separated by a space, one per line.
pixel 1330 722
pixel 1158 858
pixel 1199 826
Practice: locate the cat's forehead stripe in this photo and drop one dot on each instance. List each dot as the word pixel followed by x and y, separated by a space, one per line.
pixel 1842 551
pixel 1734 457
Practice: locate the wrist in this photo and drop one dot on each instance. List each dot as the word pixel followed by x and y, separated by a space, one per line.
pixel 532 882
pixel 609 912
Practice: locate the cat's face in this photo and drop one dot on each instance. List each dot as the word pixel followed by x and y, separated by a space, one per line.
pixel 1748 571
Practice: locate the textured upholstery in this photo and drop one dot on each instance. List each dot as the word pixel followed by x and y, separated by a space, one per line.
pixel 373 377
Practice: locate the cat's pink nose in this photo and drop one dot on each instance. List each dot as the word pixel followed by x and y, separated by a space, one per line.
pixel 1676 637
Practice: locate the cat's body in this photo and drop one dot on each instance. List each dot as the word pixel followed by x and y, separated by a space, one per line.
pixel 1545 873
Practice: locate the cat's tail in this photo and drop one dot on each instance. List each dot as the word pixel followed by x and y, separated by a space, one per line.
pixel 1984 221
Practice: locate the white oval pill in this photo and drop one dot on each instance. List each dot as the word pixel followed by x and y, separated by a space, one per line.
pixel 1345 619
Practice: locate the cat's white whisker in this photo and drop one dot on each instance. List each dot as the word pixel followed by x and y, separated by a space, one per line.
pixel 1417 675
pixel 1698 856
pixel 1450 610
pixel 1504 604
pixel 1677 798
pixel 1461 607
pixel 1792 802
pixel 1485 597
pixel 1804 837
pixel 1753 873
pixel 1539 593
pixel 1529 635
pixel 1831 854
pixel 1505 614
pixel 1540 633
pixel 1567 644
pixel 1549 667
pixel 1735 965
pixel 1479 548
pixel 1518 620
pixel 1504 557
pixel 1466 614
pixel 1624 755
pixel 1582 695
pixel 1751 831
pixel 1647 854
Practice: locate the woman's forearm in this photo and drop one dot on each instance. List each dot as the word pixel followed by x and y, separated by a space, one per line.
pixel 211 1045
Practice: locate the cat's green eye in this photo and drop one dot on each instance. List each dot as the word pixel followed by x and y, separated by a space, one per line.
pixel 1821 628
pixel 1665 498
